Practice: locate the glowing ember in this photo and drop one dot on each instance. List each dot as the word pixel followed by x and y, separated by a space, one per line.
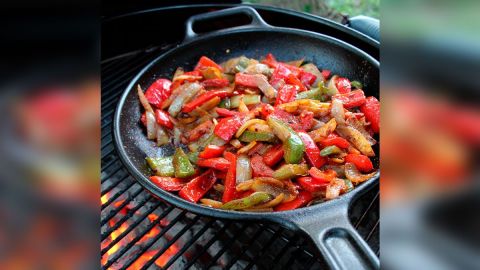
pixel 104 199
pixel 161 261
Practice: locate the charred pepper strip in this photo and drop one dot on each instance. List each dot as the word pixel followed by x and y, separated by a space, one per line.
pixel 312 151
pixel 198 187
pixel 247 202
pixel 292 144
pixel 163 166
pixel 288 171
pixel 181 163
pixel 230 179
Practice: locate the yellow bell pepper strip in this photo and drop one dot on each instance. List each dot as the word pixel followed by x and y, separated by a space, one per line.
pixel 181 164
pixel 289 171
pixel 163 166
pixel 198 186
pixel 247 202
pixel 292 144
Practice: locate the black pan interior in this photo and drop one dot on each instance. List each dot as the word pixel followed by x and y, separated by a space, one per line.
pixel 285 44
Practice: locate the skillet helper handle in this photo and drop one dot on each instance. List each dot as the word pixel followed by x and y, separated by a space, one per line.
pixel 366 25
pixel 336 238
pixel 257 20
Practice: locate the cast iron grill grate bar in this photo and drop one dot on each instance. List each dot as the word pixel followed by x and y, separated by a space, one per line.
pixel 171 242
pixel 150 244
pixel 117 74
pixel 140 235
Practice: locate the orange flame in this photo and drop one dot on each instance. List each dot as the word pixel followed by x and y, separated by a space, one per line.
pixel 161 261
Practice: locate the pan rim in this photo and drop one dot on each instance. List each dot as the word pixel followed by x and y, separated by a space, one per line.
pixel 219 213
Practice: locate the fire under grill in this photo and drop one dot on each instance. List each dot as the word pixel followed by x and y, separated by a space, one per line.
pixel 139 231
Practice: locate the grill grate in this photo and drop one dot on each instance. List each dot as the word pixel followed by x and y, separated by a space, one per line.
pixel 141 232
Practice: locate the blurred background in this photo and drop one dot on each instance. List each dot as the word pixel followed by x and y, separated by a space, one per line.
pixel 50 130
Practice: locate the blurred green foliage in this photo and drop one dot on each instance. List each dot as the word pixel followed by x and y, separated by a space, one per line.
pixel 332 9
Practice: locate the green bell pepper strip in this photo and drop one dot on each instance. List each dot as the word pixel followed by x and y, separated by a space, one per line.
pixel 247 202
pixel 332 149
pixel 250 136
pixel 247 99
pixel 163 166
pixel 193 157
pixel 292 143
pixel 225 103
pixel 356 84
pixel 288 171
pixel 314 93
pixel 181 164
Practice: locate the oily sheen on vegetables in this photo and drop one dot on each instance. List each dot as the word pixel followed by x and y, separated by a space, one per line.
pixel 259 135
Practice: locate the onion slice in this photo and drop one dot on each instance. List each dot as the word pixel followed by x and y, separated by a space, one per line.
pixel 337 111
pixel 143 100
pixel 265 87
pixel 244 171
pixel 354 175
pixel 151 125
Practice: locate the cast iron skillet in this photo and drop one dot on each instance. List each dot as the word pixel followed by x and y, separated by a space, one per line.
pixel 326 223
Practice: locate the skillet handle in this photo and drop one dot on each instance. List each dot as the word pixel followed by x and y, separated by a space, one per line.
pixel 257 20
pixel 336 238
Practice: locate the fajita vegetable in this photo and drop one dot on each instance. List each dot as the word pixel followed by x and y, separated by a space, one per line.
pixel 260 135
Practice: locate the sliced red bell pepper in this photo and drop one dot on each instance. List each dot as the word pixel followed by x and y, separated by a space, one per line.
pixel 362 162
pixel 281 72
pixel 326 73
pixel 267 109
pixel 322 176
pixel 218 163
pixel 163 119
pixel 299 123
pixel 259 168
pixel 270 61
pixel 230 179
pixel 198 186
pixel 204 98
pixel 307 78
pixel 212 151
pixel 285 94
pixel 334 139
pixel 371 110
pixel 311 184
pixel 215 83
pixel 246 80
pixel 227 127
pixel 343 85
pixel 207 62
pixel 352 99
pixel 293 80
pixel 225 112
pixel 168 183
pixel 313 153
pixel 158 91
pixel 273 155
pixel 302 199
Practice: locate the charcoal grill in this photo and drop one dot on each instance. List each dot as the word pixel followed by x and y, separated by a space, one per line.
pixel 139 231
